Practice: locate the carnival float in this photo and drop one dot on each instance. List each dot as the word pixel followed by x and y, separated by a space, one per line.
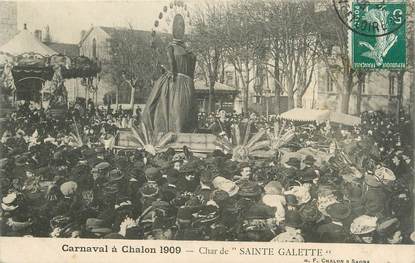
pixel 28 67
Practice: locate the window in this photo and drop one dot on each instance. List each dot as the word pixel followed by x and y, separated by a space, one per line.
pixel 392 85
pixel 364 91
pixel 258 99
pixel 361 84
pixel 201 105
pixel 94 48
pixel 329 82
pixel 229 78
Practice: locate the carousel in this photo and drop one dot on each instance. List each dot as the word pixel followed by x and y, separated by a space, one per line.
pixel 30 70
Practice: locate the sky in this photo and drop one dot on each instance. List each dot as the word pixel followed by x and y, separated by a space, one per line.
pixel 66 19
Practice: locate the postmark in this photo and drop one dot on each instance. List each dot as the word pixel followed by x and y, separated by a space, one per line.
pixel 350 14
pixel 377 35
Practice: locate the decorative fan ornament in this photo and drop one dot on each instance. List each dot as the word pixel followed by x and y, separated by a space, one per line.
pixel 280 136
pixel 243 147
pixel 75 135
pixel 148 142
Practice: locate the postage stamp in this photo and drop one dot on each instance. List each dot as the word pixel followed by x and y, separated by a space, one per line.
pixel 377 38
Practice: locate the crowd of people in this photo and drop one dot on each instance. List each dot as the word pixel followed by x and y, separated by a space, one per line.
pixel 206 120
pixel 59 178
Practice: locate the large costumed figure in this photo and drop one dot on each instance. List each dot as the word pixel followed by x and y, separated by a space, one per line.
pixel 170 106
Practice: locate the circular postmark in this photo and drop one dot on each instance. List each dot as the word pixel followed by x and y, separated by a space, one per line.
pixel 372 19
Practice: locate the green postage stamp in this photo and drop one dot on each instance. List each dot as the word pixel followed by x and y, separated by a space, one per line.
pixel 378 35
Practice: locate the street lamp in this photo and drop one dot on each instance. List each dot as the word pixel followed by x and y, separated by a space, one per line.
pixel 267 94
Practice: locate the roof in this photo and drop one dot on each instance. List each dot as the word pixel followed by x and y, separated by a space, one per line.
pixel 200 85
pixel 26 42
pixel 113 30
pixel 301 114
pixel 85 36
pixel 70 50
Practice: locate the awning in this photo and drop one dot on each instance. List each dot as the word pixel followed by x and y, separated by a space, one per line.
pixel 345 119
pixel 309 115
pixel 305 115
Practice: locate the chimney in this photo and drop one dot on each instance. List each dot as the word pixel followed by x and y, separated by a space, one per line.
pixel 38 34
pixel 47 37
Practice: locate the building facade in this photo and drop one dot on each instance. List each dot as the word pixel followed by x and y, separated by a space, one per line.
pixel 225 96
pixel 379 91
pixel 8 21
pixel 96 44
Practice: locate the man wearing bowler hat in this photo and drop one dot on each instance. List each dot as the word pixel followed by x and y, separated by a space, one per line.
pixel 170 191
pixel 335 231
pixel 221 126
pixel 290 170
pixel 310 172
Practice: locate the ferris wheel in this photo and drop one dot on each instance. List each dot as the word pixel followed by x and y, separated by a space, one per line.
pixel 164 21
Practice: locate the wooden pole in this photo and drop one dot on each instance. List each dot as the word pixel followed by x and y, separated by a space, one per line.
pixel 412 112
pixel 74 89
pixel 41 95
pixel 86 97
pixel 412 109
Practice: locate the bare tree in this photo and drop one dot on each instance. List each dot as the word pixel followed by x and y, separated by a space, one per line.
pixel 292 47
pixel 131 60
pixel 245 44
pixel 361 78
pixel 207 40
pixel 333 36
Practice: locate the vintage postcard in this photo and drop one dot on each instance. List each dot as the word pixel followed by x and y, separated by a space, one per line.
pixel 196 130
